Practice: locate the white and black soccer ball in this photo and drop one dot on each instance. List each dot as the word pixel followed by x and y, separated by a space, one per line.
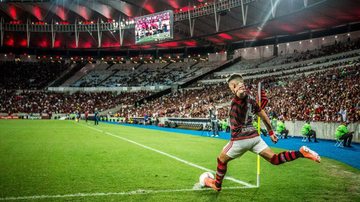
pixel 204 176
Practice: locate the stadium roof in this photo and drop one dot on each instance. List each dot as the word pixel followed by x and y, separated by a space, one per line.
pixel 290 17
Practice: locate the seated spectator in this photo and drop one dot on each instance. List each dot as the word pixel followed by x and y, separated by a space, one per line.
pixel 281 129
pixel 225 125
pixel 308 132
pixel 342 133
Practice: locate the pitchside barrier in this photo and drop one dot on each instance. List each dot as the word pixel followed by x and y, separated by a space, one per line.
pixel 324 130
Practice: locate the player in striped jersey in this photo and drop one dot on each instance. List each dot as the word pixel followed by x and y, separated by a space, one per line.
pixel 244 136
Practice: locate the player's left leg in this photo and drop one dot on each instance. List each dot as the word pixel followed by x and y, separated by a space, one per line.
pixel 287 156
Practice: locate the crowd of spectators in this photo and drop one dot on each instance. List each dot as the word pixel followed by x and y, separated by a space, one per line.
pixel 48 102
pixel 316 97
pixel 330 96
pixel 29 75
pixel 323 96
pixel 184 103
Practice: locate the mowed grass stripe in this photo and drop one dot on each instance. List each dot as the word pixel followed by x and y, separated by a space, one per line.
pixel 172 156
pixel 79 161
pixel 61 158
pixel 318 179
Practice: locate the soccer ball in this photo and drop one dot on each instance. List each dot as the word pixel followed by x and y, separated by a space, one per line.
pixel 204 176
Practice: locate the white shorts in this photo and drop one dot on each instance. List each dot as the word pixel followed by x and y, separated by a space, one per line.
pixel 237 148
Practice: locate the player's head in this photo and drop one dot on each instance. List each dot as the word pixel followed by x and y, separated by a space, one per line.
pixel 236 85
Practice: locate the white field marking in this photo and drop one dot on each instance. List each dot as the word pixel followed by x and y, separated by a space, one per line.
pixel 173 157
pixel 136 192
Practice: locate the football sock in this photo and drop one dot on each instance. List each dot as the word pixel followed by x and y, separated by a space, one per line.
pixel 285 156
pixel 220 172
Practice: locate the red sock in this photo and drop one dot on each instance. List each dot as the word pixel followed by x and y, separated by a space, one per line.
pixel 285 156
pixel 220 172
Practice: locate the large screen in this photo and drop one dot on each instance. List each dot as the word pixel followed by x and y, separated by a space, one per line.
pixel 155 27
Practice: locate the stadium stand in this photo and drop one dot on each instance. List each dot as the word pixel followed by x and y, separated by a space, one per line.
pixel 342 79
pixel 29 75
pixel 47 102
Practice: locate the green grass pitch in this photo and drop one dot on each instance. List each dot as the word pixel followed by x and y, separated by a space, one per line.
pixel 52 158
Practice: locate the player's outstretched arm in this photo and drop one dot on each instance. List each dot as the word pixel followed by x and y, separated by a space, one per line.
pixel 267 123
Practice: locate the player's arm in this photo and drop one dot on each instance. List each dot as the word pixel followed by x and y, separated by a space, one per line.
pixel 267 124
pixel 264 99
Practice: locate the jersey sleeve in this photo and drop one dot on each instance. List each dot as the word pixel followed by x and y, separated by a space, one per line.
pixel 264 99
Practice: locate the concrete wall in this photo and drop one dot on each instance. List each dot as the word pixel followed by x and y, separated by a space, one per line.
pixel 288 48
pixel 323 130
pixel 255 52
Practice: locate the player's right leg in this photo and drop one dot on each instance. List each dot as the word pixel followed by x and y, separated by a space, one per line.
pixel 232 150
pixel 221 169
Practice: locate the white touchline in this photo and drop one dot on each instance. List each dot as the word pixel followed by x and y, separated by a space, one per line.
pixel 173 157
pixel 137 192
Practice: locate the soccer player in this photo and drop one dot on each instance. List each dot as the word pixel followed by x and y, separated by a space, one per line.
pixel 86 115
pixel 244 136
pixel 96 116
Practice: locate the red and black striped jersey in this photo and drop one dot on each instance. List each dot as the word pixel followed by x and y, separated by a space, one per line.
pixel 241 114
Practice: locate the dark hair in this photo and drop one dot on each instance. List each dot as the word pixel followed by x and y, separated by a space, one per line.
pixel 235 76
